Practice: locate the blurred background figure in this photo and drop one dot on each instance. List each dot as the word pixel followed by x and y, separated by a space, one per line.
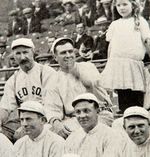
pixel 39 10
pixel 104 9
pixel 11 64
pixel 70 16
pixel 14 23
pixel 84 43
pixel 31 23
pixel 101 45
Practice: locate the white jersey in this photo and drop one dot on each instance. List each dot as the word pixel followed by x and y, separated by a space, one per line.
pixel 26 86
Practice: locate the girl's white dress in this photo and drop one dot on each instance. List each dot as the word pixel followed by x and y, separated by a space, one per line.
pixel 124 68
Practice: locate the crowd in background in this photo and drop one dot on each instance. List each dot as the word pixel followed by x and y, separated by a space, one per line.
pixel 86 22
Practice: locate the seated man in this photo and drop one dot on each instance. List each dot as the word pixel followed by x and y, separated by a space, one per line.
pixel 70 16
pixel 136 125
pixel 39 140
pixel 6 147
pixel 14 24
pixel 72 79
pixel 136 133
pixel 31 23
pixel 29 83
pixel 93 138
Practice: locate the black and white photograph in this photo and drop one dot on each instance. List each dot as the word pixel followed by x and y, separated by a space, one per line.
pixel 74 78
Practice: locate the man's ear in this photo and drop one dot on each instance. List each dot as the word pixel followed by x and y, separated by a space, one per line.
pixel 98 110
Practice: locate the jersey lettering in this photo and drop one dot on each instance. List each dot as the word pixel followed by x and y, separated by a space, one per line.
pixel 25 91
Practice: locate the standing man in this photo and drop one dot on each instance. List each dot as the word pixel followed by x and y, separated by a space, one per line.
pixel 72 79
pixel 39 140
pixel 29 83
pixel 93 138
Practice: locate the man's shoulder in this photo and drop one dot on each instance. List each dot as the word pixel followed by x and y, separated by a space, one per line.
pixel 53 137
pixel 20 141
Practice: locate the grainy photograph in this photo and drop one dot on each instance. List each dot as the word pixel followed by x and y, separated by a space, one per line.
pixel 75 78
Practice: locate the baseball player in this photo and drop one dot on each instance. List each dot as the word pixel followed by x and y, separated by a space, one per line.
pixel 29 83
pixel 72 79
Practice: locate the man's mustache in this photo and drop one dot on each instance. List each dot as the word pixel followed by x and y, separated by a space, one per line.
pixel 24 61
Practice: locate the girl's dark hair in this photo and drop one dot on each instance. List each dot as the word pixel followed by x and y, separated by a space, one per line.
pixel 135 12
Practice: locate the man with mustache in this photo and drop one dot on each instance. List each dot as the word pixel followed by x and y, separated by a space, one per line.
pixel 72 79
pixel 93 138
pixel 29 83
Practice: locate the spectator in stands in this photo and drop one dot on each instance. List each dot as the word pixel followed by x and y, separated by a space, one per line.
pixel 92 139
pixel 31 23
pixel 14 24
pixel 72 79
pixel 39 140
pixel 104 10
pixel 70 16
pixel 39 10
pixel 11 64
pixel 101 45
pixel 84 43
pixel 29 83
pixel 79 4
pixel 6 147
pixel 136 124
pixel 88 17
pixel 3 53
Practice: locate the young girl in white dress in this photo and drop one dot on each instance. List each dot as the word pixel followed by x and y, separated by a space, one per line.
pixel 127 36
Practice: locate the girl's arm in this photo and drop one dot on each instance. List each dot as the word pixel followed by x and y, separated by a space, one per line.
pixel 109 50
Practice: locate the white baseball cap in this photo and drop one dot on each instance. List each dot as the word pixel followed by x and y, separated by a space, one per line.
pixel 22 42
pixel 85 96
pixel 58 40
pixel 32 106
pixel 136 111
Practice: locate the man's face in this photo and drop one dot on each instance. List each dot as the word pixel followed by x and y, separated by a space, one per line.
pixel 65 56
pixel 24 56
pixel 80 29
pixel 28 15
pixel 68 7
pixel 137 128
pixel 32 123
pixel 13 62
pixel 86 115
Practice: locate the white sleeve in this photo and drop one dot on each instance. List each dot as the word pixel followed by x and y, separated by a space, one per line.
pixel 8 100
pixel 6 147
pixel 110 31
pixel 144 28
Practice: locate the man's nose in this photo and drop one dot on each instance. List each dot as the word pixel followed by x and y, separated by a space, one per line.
pixel 137 130
pixel 23 122
pixel 82 115
pixel 23 56
pixel 67 54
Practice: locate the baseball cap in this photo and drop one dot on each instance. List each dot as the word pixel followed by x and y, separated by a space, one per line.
pixel 85 96
pixel 13 13
pixel 136 111
pixel 22 42
pixel 32 106
pixel 27 10
pixel 58 40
